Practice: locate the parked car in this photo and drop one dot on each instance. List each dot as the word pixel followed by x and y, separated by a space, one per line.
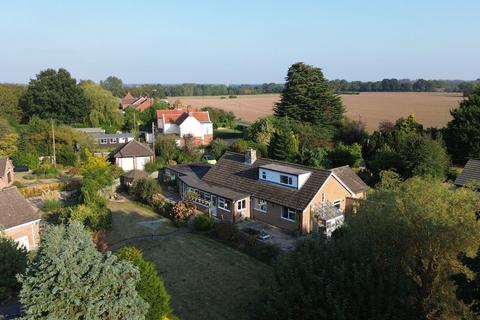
pixel 209 159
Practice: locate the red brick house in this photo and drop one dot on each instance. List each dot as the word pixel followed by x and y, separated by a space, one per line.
pixel 6 172
pixel 141 103
pixel 19 219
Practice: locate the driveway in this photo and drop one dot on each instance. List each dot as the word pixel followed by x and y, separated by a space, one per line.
pixel 278 237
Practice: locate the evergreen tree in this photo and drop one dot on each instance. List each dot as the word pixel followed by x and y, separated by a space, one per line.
pixel 468 288
pixel 283 145
pixel 54 95
pixel 13 261
pixel 308 97
pixel 462 134
pixel 150 287
pixel 70 279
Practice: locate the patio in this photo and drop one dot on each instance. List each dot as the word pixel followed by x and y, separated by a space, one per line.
pixel 278 237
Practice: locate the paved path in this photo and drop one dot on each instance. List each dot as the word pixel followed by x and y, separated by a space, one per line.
pixel 174 233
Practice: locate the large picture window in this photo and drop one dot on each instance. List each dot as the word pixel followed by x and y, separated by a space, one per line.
pixel 289 214
pixel 261 205
pixel 224 204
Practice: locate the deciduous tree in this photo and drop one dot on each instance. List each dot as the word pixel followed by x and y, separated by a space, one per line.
pixel 114 85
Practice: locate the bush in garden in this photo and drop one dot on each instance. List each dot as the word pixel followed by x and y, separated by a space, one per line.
pixel 13 260
pixel 94 217
pixel 182 211
pixel 226 231
pixel 144 189
pixel 150 287
pixel 203 222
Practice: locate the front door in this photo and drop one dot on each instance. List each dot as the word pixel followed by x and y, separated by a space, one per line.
pixel 213 206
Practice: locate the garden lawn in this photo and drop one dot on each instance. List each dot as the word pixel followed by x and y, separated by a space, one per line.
pixel 226 133
pixel 127 218
pixel 206 279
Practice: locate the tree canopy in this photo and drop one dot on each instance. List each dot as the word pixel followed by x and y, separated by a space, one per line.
pixel 114 85
pixel 9 100
pixel 462 133
pixel 103 107
pixel 13 261
pixel 54 95
pixel 308 97
pixel 70 279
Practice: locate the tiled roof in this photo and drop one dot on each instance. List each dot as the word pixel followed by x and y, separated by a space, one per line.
pixel 177 116
pixel 135 174
pixel 470 172
pixel 14 209
pixel 232 172
pixel 350 179
pixel 132 149
pixel 198 169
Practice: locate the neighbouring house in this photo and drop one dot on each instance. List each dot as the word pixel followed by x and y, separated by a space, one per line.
pixel 470 174
pixel 90 131
pixel 132 156
pixel 141 104
pixel 104 140
pixel 7 176
pixel 128 178
pixel 19 219
pixel 185 122
pixel 293 197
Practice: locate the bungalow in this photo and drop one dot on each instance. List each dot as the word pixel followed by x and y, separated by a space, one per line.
pixel 113 140
pixel 185 122
pixel 470 174
pixel 18 218
pixel 141 104
pixel 132 156
pixel 6 172
pixel 293 197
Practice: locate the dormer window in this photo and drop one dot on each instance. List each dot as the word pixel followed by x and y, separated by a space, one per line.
pixel 286 179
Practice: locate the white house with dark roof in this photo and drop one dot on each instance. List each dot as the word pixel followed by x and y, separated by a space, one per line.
pixel 132 156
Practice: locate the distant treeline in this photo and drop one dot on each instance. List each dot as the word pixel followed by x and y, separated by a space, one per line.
pixel 385 85
pixel 191 89
pixel 404 85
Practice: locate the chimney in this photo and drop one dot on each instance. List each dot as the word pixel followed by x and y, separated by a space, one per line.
pixel 250 156
pixel 189 110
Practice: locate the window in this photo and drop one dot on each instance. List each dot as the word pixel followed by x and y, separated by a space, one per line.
pixel 241 205
pixel 264 175
pixel 113 140
pixel 285 179
pixel 337 203
pixel 103 141
pixel 224 204
pixel 261 205
pixel 289 214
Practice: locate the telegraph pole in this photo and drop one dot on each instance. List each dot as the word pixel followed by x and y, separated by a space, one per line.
pixel 54 162
pixel 153 139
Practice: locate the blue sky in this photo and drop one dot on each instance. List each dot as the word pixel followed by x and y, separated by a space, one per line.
pixel 240 41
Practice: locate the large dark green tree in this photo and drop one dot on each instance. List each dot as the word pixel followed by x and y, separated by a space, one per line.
pixel 150 287
pixel 9 100
pixel 462 134
pixel 115 85
pixel 283 145
pixel 70 279
pixel 54 95
pixel 468 287
pixel 13 261
pixel 308 97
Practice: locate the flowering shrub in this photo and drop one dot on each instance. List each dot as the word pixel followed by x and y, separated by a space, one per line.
pixel 182 211
pixel 203 222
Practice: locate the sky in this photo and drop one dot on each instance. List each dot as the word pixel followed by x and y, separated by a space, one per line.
pixel 233 42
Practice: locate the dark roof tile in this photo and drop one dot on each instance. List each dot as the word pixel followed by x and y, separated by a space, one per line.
pixel 14 209
pixel 350 179
pixel 470 172
pixel 132 149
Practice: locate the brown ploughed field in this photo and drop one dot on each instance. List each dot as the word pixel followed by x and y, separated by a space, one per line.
pixel 430 108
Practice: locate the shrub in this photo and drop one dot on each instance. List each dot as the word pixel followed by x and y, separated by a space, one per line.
pixel 13 260
pixel 162 207
pixel 99 238
pixel 18 184
pixel 94 217
pixel 226 231
pixel 203 222
pixel 182 211
pixel 74 171
pixel 144 189
pixel 150 287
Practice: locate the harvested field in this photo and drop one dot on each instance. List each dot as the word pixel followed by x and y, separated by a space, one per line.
pixel 430 108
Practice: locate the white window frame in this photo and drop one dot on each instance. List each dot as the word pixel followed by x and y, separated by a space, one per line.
pixel 112 140
pixel 289 212
pixel 289 180
pixel 103 141
pixel 259 203
pixel 241 205
pixel 337 204
pixel 23 242
pixel 222 204
pixel 264 175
